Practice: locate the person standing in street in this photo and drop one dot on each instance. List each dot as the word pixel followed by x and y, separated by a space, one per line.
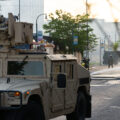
pixel 110 61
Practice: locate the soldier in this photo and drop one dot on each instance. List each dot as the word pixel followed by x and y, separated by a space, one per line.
pixel 110 61
pixel 3 22
pixel 85 62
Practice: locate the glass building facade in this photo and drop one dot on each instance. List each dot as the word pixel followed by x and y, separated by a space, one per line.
pixel 29 10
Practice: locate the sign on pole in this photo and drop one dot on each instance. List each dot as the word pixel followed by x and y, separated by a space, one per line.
pixel 75 40
pixel 40 36
pixel 102 45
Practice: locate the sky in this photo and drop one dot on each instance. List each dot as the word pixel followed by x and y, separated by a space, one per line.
pixel 102 9
pixel 73 6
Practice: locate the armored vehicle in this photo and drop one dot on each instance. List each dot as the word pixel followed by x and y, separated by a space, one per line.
pixel 35 85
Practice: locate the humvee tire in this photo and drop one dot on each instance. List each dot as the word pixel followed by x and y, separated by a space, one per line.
pixel 80 110
pixel 33 111
pixel 10 115
pixel 2 115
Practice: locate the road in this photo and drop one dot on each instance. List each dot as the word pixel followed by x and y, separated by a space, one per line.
pixel 106 100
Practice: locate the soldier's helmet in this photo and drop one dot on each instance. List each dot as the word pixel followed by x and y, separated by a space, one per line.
pixel 1 19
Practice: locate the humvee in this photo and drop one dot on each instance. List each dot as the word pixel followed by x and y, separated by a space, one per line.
pixel 35 85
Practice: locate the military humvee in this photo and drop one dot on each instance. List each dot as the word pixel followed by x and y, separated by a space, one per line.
pixel 35 85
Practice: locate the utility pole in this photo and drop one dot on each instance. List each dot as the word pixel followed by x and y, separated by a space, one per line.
pixel 100 52
pixel 115 36
pixel 19 10
pixel 87 35
pixel 0 9
pixel 104 45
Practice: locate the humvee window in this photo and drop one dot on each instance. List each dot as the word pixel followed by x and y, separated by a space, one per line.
pixel 25 68
pixel 70 71
pixel 57 68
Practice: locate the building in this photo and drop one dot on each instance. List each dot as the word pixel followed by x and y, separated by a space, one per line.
pixel 107 34
pixel 29 10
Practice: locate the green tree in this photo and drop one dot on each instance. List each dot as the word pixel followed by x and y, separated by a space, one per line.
pixel 63 26
pixel 115 46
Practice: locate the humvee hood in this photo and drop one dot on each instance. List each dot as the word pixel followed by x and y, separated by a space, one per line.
pixel 20 84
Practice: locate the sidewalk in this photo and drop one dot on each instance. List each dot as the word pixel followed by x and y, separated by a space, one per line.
pixel 98 68
pixel 105 72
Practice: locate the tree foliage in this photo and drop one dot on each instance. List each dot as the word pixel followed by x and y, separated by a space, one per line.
pixel 115 46
pixel 63 26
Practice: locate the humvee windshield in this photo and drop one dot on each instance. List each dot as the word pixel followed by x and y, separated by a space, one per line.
pixel 25 68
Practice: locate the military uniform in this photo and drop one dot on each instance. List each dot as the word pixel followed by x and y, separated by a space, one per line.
pixel 110 61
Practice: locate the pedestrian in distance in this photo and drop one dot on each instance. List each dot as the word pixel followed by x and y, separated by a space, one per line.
pixel 110 61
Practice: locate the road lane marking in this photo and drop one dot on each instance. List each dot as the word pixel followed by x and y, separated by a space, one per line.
pixel 108 83
pixel 115 107
pixel 113 82
pixel 98 85
pixel 107 98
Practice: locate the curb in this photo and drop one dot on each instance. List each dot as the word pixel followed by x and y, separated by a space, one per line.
pixel 101 78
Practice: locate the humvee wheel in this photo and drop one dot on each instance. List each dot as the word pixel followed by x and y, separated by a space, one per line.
pixel 80 110
pixel 33 111
pixel 10 115
pixel 2 115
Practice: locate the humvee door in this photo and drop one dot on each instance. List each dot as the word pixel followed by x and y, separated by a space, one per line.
pixel 58 96
pixel 71 85
pixel 63 98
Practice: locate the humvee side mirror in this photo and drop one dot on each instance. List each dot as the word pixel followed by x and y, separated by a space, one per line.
pixel 61 81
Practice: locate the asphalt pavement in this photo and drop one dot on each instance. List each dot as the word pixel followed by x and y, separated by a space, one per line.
pixel 105 89
pixel 106 100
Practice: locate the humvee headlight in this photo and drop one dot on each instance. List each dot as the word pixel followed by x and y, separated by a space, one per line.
pixel 14 94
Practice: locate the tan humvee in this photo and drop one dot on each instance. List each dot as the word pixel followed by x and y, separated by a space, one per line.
pixel 38 86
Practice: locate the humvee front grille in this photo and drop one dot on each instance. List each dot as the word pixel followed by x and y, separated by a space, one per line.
pixel 2 95
pixel 4 101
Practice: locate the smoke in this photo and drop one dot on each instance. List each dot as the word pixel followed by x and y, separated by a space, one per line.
pixel 116 20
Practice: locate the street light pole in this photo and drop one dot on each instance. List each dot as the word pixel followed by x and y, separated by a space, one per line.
pixel 37 25
pixel 87 34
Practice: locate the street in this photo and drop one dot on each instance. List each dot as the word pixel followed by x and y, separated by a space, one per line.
pixel 106 100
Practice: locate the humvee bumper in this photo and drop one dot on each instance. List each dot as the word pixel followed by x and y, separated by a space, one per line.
pixel 7 99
